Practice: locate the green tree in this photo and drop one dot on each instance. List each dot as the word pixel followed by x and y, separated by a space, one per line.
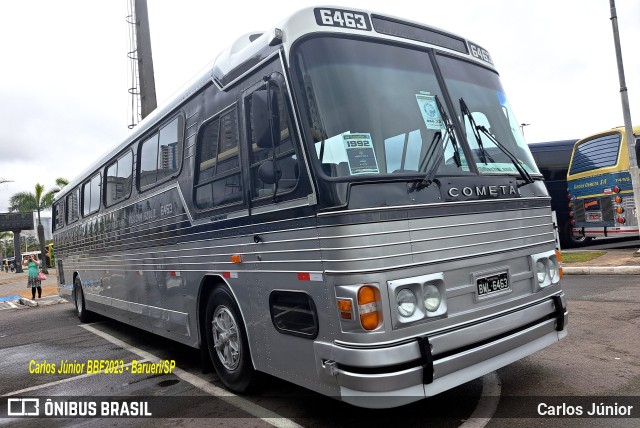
pixel 61 182
pixel 4 245
pixel 27 202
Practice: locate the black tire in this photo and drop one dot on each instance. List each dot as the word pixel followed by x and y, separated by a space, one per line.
pixel 78 297
pixel 226 339
pixel 569 241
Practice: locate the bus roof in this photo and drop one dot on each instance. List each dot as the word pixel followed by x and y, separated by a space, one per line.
pixel 635 129
pixel 549 146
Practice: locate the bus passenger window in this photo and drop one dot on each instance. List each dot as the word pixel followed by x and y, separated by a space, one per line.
pixel 148 159
pixel 161 153
pixel 73 206
pixel 58 215
pixel 218 178
pixel 168 159
pixel 119 175
pixel 91 196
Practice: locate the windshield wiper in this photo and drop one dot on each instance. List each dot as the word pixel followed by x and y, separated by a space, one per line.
pixel 428 177
pixel 474 128
pixel 449 128
pixel 523 172
pixel 435 141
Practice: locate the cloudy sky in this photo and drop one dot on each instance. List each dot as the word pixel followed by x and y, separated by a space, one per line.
pixel 64 80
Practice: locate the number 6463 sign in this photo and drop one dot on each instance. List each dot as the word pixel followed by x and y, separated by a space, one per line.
pixel 342 18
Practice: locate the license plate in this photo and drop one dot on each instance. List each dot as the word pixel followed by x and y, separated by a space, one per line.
pixel 493 284
pixel 594 216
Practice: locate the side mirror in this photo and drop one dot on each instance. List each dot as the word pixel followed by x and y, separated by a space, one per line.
pixel 265 118
pixel 269 172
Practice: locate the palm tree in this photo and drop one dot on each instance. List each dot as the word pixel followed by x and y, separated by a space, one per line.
pixel 26 202
pixel 61 182
pixel 3 244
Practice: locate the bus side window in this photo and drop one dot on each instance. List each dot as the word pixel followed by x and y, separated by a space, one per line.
pixel 91 196
pixel 73 206
pixel 218 177
pixel 58 215
pixel 161 154
pixel 119 178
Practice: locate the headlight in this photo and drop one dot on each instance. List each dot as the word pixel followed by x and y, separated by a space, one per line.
pixel 407 302
pixel 553 269
pixel 432 297
pixel 541 270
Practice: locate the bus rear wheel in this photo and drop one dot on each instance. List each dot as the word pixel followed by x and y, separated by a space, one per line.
pixel 78 298
pixel 571 241
pixel 227 341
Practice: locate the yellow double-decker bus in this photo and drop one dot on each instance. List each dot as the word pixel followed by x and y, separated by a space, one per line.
pixel 599 184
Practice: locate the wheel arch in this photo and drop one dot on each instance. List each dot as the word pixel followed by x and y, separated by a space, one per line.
pixel 208 284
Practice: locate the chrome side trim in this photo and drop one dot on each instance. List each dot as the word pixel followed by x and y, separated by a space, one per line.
pixel 433 204
pixel 177 321
pixel 432 262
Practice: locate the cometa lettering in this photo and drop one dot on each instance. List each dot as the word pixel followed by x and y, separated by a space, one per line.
pixel 494 191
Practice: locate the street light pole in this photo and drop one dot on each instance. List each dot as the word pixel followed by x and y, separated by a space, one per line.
pixel 626 112
pixel 522 125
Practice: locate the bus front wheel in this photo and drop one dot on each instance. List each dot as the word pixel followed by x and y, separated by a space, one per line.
pixel 78 298
pixel 227 341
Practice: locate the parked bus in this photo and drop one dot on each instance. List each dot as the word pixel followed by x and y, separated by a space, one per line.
pixel 552 158
pixel 599 185
pixel 319 205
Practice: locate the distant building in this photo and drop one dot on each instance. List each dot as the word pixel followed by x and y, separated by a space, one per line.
pixel 46 222
pixel 169 156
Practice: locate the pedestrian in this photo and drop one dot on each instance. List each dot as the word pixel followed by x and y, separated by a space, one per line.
pixel 11 266
pixel 33 280
pixel 6 266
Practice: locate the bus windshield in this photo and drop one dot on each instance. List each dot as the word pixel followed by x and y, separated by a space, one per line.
pixel 379 109
pixel 375 109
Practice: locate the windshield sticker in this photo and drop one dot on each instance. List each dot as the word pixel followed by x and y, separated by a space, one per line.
pixel 429 111
pixel 360 154
pixel 506 167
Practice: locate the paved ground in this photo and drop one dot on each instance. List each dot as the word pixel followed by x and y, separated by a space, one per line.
pixel 623 261
pixel 15 284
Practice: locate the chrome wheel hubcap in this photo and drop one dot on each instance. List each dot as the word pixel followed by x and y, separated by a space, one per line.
pixel 225 337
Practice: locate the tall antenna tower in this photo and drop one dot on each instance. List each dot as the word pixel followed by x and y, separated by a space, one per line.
pixel 142 89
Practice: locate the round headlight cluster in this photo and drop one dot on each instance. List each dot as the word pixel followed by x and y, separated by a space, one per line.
pixel 407 302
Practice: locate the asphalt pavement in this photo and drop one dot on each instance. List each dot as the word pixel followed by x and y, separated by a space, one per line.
pixel 13 286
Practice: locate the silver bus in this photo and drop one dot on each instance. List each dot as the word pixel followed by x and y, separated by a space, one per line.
pixel 344 202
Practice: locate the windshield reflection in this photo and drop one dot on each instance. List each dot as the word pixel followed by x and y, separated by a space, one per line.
pixel 373 109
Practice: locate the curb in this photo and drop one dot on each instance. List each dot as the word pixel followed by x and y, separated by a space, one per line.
pixel 601 270
pixel 41 302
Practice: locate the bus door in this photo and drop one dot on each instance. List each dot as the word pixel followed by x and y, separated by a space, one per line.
pixel 286 287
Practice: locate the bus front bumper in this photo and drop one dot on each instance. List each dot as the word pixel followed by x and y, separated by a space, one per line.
pixel 399 374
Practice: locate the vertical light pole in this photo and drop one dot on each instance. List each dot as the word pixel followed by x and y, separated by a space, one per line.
pixel 522 125
pixel 145 60
pixel 626 112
